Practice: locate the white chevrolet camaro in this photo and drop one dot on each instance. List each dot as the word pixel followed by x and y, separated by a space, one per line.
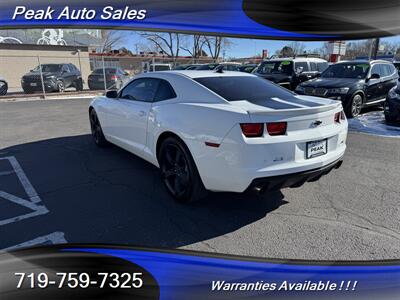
pixel 221 131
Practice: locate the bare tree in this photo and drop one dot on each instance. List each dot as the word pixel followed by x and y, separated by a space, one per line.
pixel 298 47
pixel 109 40
pixel 166 43
pixel 195 48
pixel 216 44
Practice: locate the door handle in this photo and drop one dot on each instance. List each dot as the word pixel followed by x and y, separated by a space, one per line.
pixel 142 113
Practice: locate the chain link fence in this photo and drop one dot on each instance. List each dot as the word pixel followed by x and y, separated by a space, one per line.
pixel 79 72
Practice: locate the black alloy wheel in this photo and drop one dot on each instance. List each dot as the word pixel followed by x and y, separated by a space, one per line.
pixel 355 106
pixel 179 172
pixel 97 132
pixel 3 88
pixel 60 86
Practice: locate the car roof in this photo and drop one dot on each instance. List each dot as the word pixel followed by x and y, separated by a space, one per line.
pixel 297 59
pixel 364 61
pixel 205 73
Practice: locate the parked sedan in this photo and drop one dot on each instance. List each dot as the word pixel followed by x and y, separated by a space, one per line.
pixel 392 105
pixel 3 86
pixel 221 131
pixel 114 78
pixel 356 83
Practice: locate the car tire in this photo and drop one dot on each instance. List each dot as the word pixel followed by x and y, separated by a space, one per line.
pixel 97 131
pixel 354 106
pixel 390 119
pixel 3 89
pixel 60 86
pixel 179 172
pixel 79 85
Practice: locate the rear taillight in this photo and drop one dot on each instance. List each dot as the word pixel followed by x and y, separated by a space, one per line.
pixel 339 117
pixel 252 129
pixel 277 128
pixel 114 77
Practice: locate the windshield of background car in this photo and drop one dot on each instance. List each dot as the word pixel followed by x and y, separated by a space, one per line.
pixel 162 68
pixel 276 67
pixel 351 70
pixel 49 68
pixel 253 89
pixel 206 67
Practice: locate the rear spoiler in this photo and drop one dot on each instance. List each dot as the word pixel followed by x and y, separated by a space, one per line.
pixel 295 111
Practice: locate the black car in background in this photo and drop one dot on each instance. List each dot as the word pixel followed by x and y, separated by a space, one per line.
pixel 356 83
pixel 227 66
pixel 397 65
pixel 289 72
pixel 3 86
pixel 247 68
pixel 56 78
pixel 392 105
pixel 114 78
pixel 187 67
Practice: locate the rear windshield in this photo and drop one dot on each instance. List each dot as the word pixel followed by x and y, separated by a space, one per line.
pixel 253 89
pixel 276 67
pixel 107 70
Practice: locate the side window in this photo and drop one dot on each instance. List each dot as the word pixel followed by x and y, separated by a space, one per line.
pixel 313 66
pixel 164 91
pixel 142 89
pixel 65 68
pixel 376 69
pixel 302 64
pixel 322 66
pixel 387 69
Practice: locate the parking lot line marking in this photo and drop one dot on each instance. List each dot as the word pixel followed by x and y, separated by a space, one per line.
pixel 4 173
pixel 18 200
pixel 29 189
pixel 40 211
pixel 55 238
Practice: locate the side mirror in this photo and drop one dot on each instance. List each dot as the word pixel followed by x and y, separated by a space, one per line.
pixel 374 76
pixel 299 70
pixel 112 94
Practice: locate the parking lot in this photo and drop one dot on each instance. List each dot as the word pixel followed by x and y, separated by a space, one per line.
pixel 57 186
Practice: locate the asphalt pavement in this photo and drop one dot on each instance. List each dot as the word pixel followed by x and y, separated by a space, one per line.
pixel 56 186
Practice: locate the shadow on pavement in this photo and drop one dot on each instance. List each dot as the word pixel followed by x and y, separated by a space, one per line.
pixel 111 196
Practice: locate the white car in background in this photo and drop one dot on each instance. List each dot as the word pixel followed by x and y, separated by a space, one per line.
pixel 221 131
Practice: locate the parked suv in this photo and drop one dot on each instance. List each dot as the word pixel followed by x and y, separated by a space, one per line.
pixel 56 78
pixel 356 83
pixel 289 72
pixel 3 86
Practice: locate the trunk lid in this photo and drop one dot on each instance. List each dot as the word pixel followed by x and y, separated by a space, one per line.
pixel 300 112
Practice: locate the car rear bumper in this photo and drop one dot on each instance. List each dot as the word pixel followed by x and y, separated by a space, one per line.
pixel 295 179
pixel 234 166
